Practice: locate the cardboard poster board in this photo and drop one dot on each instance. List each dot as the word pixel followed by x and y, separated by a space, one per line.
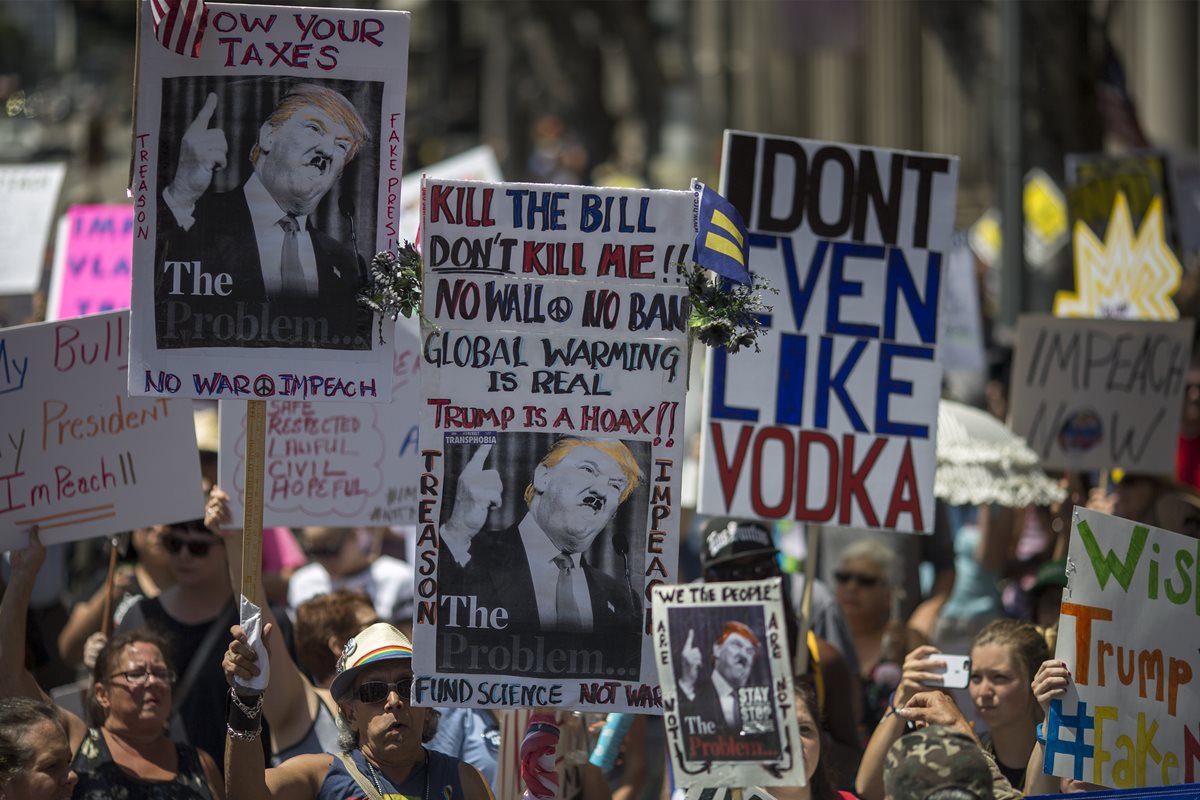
pixel 28 196
pixel 959 320
pixel 78 457
pixel 1100 394
pixel 267 175
pixel 93 259
pixel 728 697
pixel 334 464
pixel 835 420
pixel 1125 264
pixel 1130 715
pixel 477 164
pixel 551 429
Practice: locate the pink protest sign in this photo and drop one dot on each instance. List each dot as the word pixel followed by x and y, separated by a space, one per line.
pixel 92 261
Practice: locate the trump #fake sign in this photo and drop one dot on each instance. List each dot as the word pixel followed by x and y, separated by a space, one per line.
pixel 1131 716
pixel 834 420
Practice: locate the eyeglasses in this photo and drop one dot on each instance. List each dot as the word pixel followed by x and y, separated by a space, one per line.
pixel 328 551
pixel 373 692
pixel 141 677
pixel 197 547
pixel 865 581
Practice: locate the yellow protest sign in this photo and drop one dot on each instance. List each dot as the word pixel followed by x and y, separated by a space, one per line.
pixel 1130 275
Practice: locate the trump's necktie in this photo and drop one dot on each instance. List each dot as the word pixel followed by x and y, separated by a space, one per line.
pixel 564 595
pixel 291 273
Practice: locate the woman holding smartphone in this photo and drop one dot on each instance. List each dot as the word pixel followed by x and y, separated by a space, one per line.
pixel 1004 657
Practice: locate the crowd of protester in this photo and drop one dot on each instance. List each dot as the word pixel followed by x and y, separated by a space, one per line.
pixel 150 655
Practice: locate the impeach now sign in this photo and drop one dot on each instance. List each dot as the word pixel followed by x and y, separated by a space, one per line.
pixel 1131 717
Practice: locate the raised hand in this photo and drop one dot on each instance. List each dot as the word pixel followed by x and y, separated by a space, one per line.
pixel 479 491
pixel 1051 681
pixel 28 560
pixel 216 511
pixel 935 708
pixel 202 151
pixel 240 660
pixel 918 671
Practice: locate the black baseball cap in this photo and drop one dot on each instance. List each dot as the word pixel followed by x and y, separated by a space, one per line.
pixel 724 539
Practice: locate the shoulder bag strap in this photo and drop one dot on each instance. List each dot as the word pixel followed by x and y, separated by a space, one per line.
pixel 357 774
pixel 199 662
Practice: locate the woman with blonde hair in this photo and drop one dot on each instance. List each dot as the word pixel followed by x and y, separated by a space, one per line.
pixel 1004 658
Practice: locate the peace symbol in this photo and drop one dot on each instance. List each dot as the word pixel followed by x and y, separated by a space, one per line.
pixel 559 308
pixel 264 386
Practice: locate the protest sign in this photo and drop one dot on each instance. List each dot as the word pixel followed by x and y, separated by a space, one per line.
pixel 267 175
pixel 79 457
pixel 334 464
pixel 710 793
pixel 1131 716
pixel 93 256
pixel 551 437
pixel 1094 181
pixel 1046 221
pixel 729 703
pixel 834 421
pixel 1125 267
pixel 1099 394
pixel 477 164
pixel 960 325
pixel 1046 227
pixel 28 196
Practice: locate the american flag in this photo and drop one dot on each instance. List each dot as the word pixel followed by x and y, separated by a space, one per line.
pixel 179 24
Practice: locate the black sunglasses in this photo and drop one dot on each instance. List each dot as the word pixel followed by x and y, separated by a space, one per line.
pixel 373 692
pixel 747 570
pixel 197 547
pixel 328 551
pixel 865 581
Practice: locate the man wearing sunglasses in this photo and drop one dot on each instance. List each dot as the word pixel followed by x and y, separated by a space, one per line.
pixel 382 751
pixel 189 613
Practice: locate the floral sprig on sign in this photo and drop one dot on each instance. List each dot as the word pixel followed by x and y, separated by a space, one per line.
pixel 724 313
pixel 393 284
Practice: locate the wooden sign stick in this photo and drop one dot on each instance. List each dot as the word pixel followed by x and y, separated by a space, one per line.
pixel 252 491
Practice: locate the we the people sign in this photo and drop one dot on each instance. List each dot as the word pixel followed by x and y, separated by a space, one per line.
pixel 834 420
pixel 1131 717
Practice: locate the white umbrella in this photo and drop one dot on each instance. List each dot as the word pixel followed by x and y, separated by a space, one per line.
pixel 980 460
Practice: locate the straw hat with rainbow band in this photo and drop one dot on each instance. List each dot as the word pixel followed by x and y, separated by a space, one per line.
pixel 375 643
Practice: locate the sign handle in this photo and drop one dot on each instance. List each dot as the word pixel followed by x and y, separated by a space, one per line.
pixel 252 492
pixel 106 620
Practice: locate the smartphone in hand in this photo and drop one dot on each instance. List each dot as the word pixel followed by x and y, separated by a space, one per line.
pixel 956 671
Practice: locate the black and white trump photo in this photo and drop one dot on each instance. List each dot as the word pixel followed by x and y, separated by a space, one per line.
pixel 267 212
pixel 547 533
pixel 723 683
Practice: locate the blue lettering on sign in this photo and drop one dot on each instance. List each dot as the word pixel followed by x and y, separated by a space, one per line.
pixel 888 386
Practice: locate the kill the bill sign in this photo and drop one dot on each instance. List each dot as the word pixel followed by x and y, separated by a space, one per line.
pixel 835 420
pixel 1129 718
pixel 267 174
pixel 551 435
